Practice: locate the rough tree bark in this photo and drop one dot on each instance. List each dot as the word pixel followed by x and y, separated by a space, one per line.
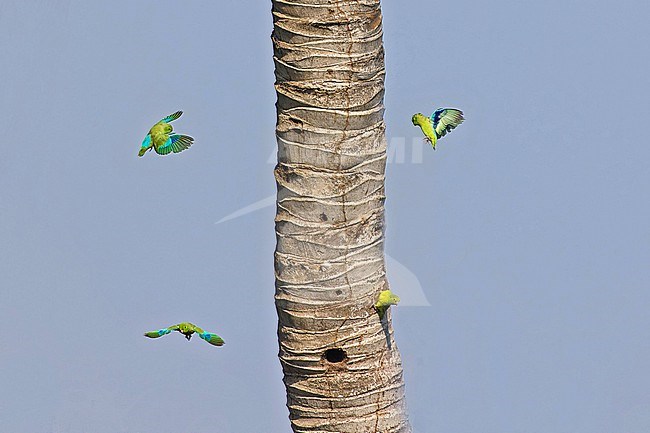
pixel 342 369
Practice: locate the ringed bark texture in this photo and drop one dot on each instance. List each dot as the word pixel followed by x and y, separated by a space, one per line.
pixel 342 370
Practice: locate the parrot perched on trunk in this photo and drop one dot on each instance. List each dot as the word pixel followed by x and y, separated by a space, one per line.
pixel 161 139
pixel 187 329
pixel 385 300
pixel 442 121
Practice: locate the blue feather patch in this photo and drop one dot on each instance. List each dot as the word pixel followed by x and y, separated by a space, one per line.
pixel 147 141
pixel 175 143
pixel 172 117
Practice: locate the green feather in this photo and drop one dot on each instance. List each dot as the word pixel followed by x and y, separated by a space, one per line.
pixel 173 143
pixel 445 120
pixel 213 339
pixel 152 334
pixel 171 117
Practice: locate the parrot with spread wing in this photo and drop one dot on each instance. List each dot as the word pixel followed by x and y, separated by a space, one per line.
pixel 442 121
pixel 384 301
pixel 187 329
pixel 161 139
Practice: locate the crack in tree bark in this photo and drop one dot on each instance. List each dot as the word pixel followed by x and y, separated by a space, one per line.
pixel 345 128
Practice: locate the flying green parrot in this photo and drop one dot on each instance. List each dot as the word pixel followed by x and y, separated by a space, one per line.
pixel 187 329
pixel 442 121
pixel 161 139
pixel 384 301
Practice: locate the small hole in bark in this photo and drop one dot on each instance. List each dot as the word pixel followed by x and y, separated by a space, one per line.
pixel 339 292
pixel 335 355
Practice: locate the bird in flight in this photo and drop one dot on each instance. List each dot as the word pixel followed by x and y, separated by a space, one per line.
pixel 161 139
pixel 442 121
pixel 187 329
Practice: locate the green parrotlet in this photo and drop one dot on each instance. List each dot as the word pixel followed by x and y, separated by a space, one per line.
pixel 384 301
pixel 187 329
pixel 161 139
pixel 442 121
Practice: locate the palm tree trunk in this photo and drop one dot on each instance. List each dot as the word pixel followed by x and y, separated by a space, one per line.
pixel 342 369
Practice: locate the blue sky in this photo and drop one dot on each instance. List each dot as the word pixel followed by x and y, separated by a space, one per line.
pixel 526 230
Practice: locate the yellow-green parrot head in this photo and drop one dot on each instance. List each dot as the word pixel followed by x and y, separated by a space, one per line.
pixel 385 299
pixel 417 119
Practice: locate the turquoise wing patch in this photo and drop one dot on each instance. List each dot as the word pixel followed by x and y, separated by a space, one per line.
pixel 446 119
pixel 158 333
pixel 146 142
pixel 175 143
pixel 213 339
pixel 172 117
